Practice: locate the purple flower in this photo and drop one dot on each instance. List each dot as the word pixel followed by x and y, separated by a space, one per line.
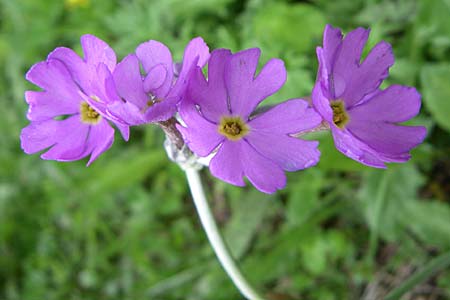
pixel 68 117
pixel 217 114
pixel 362 117
pixel 155 96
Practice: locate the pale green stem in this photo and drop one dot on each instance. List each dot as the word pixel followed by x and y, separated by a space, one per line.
pixel 215 238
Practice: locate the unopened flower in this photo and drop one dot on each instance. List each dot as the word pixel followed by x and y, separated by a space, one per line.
pixel 154 97
pixel 68 117
pixel 362 117
pixel 217 114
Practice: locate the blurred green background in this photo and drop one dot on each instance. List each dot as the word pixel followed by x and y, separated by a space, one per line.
pixel 125 228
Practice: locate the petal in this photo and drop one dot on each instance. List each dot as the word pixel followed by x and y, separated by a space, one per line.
pixel 45 105
pixel 368 77
pixel 53 76
pixel 161 110
pixel 177 68
pixel 200 135
pixel 394 158
pixel 101 137
pixel 347 60
pixel 289 117
pixel 154 53
pixel 263 173
pixel 97 51
pixel 155 79
pixel 227 163
pixel 81 72
pixel 321 93
pixel 128 113
pixel 211 95
pixel 38 136
pixel 124 131
pixel 155 82
pixel 66 138
pixel 102 93
pixel 125 113
pixel 195 54
pixel 387 138
pixel 197 48
pixel 271 78
pixel 103 87
pixel 395 104
pixel 61 95
pixel 236 159
pixel 128 81
pixel 290 153
pixel 239 75
pixel 245 91
pixel 352 147
pixel 332 39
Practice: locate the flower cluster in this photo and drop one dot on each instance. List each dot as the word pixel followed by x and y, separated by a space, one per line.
pixel 216 115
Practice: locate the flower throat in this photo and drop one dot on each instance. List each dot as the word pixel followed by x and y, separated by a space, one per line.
pixel 340 116
pixel 89 115
pixel 233 128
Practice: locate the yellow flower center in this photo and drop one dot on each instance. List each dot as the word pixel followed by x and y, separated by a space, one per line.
pixel 233 128
pixel 89 115
pixel 340 116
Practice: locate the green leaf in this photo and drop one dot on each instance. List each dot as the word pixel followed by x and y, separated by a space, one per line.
pixel 314 253
pixel 297 27
pixel 404 71
pixel 303 196
pixel 129 168
pixel 247 215
pixel 393 208
pixel 435 265
pixel 432 25
pixel 436 89
pixel 431 222
pixel 385 194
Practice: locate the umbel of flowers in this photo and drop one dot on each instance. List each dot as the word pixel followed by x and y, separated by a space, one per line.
pixel 81 99
pixel 213 118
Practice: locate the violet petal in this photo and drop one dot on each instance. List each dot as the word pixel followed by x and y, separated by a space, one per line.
pixel 263 173
pixel 101 138
pixel 227 163
pixel 154 53
pixel 395 104
pixel 97 51
pixel 128 81
pixel 211 95
pixel 347 60
pixel 367 78
pixel 245 91
pixel 200 135
pixel 386 137
pixel 290 153
pixel 289 117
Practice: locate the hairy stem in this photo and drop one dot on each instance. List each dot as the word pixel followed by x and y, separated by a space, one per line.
pixel 172 132
pixel 215 238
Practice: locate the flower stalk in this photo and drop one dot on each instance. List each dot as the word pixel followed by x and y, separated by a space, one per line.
pixel 215 238
pixel 172 133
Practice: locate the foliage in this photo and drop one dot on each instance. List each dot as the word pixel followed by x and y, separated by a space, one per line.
pixel 125 228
